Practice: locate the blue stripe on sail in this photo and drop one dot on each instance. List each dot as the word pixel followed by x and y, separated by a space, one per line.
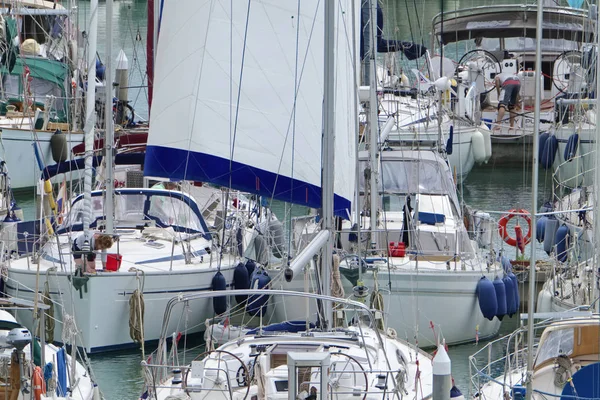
pixel 186 165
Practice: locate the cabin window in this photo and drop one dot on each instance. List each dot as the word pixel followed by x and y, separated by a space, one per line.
pixel 173 211
pixel 10 86
pixel 559 342
pixel 40 88
pixel 403 177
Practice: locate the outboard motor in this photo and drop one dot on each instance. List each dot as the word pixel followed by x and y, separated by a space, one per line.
pixel 20 338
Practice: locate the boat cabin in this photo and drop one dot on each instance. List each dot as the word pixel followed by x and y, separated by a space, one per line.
pixel 503 39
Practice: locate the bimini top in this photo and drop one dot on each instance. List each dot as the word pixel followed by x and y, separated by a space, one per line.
pixel 512 21
pixel 135 208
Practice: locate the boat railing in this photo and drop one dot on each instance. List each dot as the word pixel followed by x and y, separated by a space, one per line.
pixel 496 360
pixel 446 16
pixel 158 376
pixel 346 376
pixel 504 361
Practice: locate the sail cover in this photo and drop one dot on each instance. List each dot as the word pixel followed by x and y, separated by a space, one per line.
pixel 238 98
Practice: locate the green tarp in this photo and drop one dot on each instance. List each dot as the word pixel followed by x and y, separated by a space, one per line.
pixel 48 70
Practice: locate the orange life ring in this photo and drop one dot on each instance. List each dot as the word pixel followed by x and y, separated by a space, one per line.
pixel 509 240
pixel 39 385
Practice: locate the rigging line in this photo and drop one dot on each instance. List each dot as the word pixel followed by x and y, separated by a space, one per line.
pixel 197 85
pixel 409 23
pixel 232 135
pixel 290 228
pixel 292 118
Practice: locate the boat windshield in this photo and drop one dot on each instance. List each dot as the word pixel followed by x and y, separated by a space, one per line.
pixel 139 209
pixel 410 177
pixel 556 343
pixel 520 44
pixel 512 45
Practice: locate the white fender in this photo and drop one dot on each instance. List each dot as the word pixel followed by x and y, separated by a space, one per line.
pixel 487 141
pixel 478 146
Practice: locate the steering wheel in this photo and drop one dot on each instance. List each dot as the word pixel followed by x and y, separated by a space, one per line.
pixel 484 60
pixel 241 373
pixel 564 65
pixel 335 374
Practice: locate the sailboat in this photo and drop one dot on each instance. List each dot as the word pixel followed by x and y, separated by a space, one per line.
pixel 418 116
pixel 298 360
pixel 32 366
pixel 413 242
pixel 161 245
pixel 499 38
pixel 564 363
pixel 39 54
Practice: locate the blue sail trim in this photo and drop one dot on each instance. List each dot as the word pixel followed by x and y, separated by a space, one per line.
pixel 186 165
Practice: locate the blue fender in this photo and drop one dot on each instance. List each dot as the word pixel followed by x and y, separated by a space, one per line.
pixel 562 243
pixel 511 307
pixel 540 229
pixel 250 266
pixel 500 297
pixel 450 140
pixel 219 302
pixel 486 295
pixel 571 147
pixel 517 297
pixel 550 234
pixel 258 303
pixel 549 152
pixel 241 280
pixel 542 143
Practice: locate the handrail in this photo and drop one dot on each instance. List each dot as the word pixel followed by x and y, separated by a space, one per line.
pixel 253 292
pixel 447 15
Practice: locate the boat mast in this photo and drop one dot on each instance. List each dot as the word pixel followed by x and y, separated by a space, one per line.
pixel 150 47
pixel 109 124
pixel 90 116
pixel 597 174
pixel 534 190
pixel 327 155
pixel 373 120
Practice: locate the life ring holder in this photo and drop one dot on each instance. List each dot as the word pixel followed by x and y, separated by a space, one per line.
pixel 502 230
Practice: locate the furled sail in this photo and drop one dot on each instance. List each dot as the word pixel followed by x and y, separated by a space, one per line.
pixel 238 94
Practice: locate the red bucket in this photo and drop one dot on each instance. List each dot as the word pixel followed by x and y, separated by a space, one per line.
pixel 397 250
pixel 113 262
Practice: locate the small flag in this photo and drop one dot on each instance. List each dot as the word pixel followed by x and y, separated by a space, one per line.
pixel 60 202
pixel 178 337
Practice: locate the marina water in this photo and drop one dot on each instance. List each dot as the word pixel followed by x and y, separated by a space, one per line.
pixel 488 188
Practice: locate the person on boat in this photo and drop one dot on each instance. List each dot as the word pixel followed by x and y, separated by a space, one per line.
pixel 161 206
pixel 98 241
pixel 508 86
pixel 166 185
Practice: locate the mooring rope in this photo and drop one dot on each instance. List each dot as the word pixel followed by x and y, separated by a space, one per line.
pixel 377 301
pixel 49 313
pixel 136 315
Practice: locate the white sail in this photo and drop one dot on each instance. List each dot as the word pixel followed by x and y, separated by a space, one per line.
pixel 238 96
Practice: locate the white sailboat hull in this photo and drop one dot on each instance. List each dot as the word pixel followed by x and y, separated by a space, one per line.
pixel 445 299
pixel 18 152
pixel 103 311
pixel 415 301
